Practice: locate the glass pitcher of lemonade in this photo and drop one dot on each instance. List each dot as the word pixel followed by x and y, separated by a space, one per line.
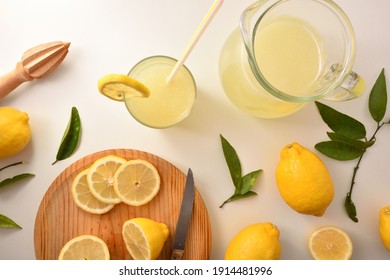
pixel 286 53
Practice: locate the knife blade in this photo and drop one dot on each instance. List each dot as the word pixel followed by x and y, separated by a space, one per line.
pixel 183 221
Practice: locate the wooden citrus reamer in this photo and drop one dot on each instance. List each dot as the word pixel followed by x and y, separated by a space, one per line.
pixel 36 63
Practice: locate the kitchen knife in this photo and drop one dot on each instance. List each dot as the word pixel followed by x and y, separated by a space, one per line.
pixel 184 219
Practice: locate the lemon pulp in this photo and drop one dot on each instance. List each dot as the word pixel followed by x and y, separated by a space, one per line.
pixel 85 247
pixel 136 182
pixel 144 238
pixel 330 243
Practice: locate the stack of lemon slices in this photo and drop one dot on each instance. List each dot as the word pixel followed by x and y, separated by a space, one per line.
pixel 108 181
pixel 111 180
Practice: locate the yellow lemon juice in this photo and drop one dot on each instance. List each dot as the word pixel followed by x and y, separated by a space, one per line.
pixel 169 102
pixel 288 53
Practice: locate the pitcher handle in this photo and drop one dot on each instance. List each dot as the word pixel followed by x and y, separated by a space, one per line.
pixel 352 87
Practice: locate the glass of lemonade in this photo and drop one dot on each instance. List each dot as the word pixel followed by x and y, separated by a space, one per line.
pixel 169 102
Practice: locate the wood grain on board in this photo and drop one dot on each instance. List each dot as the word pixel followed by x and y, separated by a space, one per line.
pixel 59 219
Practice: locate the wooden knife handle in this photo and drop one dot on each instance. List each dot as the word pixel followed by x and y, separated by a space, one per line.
pixel 13 79
pixel 177 254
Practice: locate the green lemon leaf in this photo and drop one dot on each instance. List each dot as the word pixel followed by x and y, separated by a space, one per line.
pixel 6 222
pixel 242 184
pixel 377 101
pixel 339 150
pixel 350 208
pixel 71 136
pixel 341 123
pixel 232 161
pixel 357 143
pixel 14 179
pixel 238 196
pixel 248 181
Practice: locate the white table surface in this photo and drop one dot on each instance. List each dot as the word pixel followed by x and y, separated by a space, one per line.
pixel 111 36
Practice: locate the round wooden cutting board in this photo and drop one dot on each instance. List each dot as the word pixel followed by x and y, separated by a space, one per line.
pixel 59 219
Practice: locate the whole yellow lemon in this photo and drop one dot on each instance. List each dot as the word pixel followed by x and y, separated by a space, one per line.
pixel 258 241
pixel 384 226
pixel 303 180
pixel 15 131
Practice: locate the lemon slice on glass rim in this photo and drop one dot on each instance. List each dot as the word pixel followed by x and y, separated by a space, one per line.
pixel 116 86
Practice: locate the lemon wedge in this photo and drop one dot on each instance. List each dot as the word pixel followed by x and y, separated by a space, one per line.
pixel 85 247
pixel 116 86
pixel 83 197
pixel 136 182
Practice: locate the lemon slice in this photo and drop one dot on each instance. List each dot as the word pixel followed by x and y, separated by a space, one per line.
pixel 85 247
pixel 83 197
pixel 100 178
pixel 144 238
pixel 330 243
pixel 136 182
pixel 116 86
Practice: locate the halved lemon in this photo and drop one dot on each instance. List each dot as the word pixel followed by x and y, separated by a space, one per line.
pixel 330 243
pixel 85 247
pixel 100 178
pixel 144 238
pixel 116 86
pixel 83 197
pixel 136 182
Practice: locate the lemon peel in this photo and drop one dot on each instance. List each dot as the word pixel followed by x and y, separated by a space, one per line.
pixel 258 241
pixel 15 131
pixel 303 180
pixel 384 226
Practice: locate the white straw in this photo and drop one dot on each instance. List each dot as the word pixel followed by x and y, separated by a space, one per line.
pixel 196 36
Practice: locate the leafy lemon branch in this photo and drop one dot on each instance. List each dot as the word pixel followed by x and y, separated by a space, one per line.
pixel 348 140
